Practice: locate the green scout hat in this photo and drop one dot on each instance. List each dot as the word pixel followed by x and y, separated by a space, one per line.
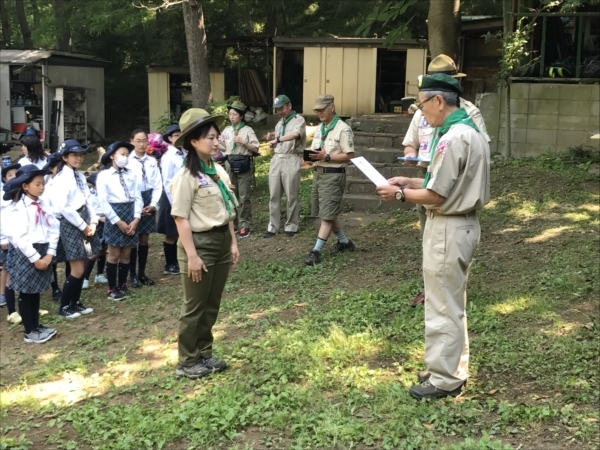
pixel 192 119
pixel 440 82
pixel 281 100
pixel 444 64
pixel 238 106
pixel 322 101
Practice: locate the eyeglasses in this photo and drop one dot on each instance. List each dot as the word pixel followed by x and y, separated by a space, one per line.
pixel 420 104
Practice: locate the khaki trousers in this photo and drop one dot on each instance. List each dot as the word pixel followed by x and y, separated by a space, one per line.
pixel 243 188
pixel 284 177
pixel 202 301
pixel 449 243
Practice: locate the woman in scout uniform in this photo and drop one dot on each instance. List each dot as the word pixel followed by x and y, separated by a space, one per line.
pixel 170 164
pixel 456 186
pixel 288 143
pixel 122 205
pixel 33 152
pixel 332 147
pixel 7 298
pixel 147 173
pixel 239 142
pixel 34 241
pixel 204 210
pixel 78 221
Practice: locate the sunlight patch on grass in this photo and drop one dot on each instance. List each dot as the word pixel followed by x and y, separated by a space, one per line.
pixel 512 305
pixel 548 234
pixel 46 357
pixel 340 347
pixel 578 217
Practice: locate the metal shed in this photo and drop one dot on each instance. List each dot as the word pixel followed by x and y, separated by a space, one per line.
pixel 362 74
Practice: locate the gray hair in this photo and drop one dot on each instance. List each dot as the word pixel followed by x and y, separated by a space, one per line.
pixel 451 98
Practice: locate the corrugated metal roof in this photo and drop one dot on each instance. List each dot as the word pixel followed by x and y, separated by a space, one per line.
pixel 32 56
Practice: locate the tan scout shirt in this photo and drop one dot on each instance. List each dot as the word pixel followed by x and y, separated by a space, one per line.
pixel 231 148
pixel 460 171
pixel 296 146
pixel 420 134
pixel 339 140
pixel 199 200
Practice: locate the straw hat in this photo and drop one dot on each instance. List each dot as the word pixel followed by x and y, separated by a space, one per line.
pixel 192 119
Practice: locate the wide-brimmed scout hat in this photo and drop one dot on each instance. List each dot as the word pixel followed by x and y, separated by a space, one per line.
pixel 172 129
pixel 72 146
pixel 5 170
pixel 323 101
pixel 280 100
pixel 9 189
pixel 238 106
pixel 92 179
pixel 105 160
pixel 444 64
pixel 27 173
pixel 194 118
pixel 440 82
pixel 53 160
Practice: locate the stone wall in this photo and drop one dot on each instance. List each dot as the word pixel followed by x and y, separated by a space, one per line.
pixel 546 118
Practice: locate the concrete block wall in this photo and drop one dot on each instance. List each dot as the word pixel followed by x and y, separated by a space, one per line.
pixel 545 117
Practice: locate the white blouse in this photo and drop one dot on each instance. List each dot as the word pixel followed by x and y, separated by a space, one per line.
pixel 110 190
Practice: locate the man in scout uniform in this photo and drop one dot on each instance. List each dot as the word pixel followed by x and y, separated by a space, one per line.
pixel 456 185
pixel 288 143
pixel 420 133
pixel 333 147
pixel 239 142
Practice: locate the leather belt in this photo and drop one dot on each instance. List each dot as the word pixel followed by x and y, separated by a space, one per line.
pixel 431 213
pixel 330 169
pixel 221 229
pixel 286 155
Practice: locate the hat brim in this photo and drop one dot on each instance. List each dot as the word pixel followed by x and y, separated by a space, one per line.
pixel 321 105
pixel 8 195
pixel 456 75
pixel 80 149
pixel 5 170
pixel 105 159
pixel 27 177
pixel 217 120
pixel 280 105
pixel 241 111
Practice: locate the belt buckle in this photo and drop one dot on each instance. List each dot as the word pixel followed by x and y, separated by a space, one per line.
pixel 320 169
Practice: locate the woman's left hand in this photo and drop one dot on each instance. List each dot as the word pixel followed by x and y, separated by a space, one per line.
pixel 235 254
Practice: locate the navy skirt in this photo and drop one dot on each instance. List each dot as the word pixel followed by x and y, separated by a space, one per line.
pixel 26 278
pixel 147 224
pixel 74 243
pixel 100 232
pixel 115 237
pixel 3 254
pixel 10 257
pixel 166 223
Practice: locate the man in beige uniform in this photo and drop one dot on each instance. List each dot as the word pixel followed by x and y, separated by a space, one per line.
pixel 288 142
pixel 239 142
pixel 455 187
pixel 419 134
pixel 333 147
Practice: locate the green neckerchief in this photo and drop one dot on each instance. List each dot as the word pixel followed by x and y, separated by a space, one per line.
pixel 239 127
pixel 211 171
pixel 458 116
pixel 286 121
pixel 331 126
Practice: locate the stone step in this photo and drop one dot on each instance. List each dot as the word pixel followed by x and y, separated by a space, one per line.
pixel 387 170
pixel 381 123
pixel 360 186
pixel 364 202
pixel 383 140
pixel 378 155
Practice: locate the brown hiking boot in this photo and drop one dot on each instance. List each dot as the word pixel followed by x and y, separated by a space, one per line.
pixel 420 298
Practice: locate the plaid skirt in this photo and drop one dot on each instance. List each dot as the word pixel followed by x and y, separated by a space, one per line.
pixel 166 223
pixel 100 232
pixel 26 278
pixel 3 254
pixel 75 245
pixel 10 257
pixel 147 224
pixel 115 237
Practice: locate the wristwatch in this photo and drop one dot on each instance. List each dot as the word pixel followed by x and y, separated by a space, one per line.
pixel 278 141
pixel 327 158
pixel 400 195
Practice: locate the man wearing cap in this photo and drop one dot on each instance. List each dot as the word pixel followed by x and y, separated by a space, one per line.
pixel 332 147
pixel 420 133
pixel 239 142
pixel 456 186
pixel 288 143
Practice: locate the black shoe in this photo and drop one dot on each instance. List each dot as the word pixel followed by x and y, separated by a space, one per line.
pixel 426 390
pixel 213 364
pixel 289 233
pixel 268 234
pixel 116 295
pixel 340 248
pixel 57 295
pixel 145 281
pixel 81 309
pixel 173 269
pixel 135 283
pixel 313 258
pixel 194 372
pixel 68 313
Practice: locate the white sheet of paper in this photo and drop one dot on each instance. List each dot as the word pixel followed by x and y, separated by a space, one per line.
pixel 370 172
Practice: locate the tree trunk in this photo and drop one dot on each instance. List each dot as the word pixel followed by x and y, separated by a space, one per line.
pixel 5 24
pixel 22 17
pixel 443 23
pixel 271 22
pixel 507 9
pixel 63 32
pixel 195 36
pixel 36 14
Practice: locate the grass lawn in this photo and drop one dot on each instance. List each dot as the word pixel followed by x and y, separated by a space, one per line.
pixel 321 358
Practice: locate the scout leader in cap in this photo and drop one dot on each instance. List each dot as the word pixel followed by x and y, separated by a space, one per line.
pixel 420 134
pixel 288 143
pixel 239 143
pixel 204 210
pixel 457 184
pixel 333 147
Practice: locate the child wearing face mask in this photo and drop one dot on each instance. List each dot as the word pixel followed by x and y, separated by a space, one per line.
pixel 121 201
